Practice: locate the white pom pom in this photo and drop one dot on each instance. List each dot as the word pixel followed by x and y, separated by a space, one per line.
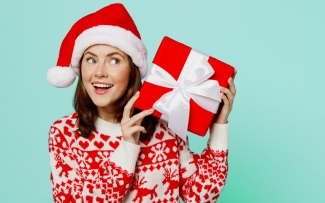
pixel 60 76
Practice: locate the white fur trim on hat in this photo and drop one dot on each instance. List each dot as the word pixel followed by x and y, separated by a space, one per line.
pixel 115 36
pixel 60 76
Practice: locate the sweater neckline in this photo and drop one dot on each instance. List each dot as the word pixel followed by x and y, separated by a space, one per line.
pixel 106 127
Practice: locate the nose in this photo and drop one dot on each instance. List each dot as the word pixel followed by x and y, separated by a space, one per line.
pixel 100 71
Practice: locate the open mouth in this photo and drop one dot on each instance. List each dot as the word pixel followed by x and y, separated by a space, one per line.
pixel 102 86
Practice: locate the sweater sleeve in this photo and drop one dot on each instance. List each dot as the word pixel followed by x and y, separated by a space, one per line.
pixel 73 182
pixel 202 178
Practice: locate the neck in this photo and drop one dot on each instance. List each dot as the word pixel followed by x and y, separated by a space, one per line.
pixel 106 115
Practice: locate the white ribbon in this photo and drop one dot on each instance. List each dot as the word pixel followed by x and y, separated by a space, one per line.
pixel 192 83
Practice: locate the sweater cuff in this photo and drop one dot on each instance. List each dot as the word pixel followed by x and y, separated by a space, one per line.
pixel 219 136
pixel 126 156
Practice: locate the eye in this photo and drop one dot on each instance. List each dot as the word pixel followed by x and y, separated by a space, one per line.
pixel 114 61
pixel 91 60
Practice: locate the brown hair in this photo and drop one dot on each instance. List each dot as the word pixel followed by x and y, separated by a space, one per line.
pixel 87 110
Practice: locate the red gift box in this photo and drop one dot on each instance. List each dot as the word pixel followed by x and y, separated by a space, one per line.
pixel 169 63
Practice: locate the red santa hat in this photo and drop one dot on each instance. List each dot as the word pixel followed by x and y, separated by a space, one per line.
pixel 111 25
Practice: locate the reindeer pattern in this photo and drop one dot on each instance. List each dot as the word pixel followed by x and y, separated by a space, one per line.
pixel 169 179
pixel 141 191
pixel 84 171
pixel 65 168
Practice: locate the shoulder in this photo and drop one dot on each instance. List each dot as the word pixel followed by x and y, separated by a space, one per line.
pixel 61 131
pixel 65 122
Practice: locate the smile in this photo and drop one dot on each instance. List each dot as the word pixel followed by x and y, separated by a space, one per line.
pixel 101 88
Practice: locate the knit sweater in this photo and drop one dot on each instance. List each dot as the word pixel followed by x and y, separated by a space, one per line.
pixel 105 168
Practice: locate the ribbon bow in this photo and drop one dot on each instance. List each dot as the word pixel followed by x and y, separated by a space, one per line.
pixel 193 84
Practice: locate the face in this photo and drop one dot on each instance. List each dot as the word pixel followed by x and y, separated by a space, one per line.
pixel 105 74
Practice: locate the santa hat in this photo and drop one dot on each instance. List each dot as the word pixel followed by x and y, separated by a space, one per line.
pixel 111 25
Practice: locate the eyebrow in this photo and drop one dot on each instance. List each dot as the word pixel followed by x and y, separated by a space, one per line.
pixel 108 55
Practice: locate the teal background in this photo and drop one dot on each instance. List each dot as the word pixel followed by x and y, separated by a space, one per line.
pixel 276 136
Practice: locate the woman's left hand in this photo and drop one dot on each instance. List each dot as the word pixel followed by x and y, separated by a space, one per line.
pixel 227 96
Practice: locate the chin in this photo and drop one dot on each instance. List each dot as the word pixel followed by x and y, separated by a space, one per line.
pixel 101 102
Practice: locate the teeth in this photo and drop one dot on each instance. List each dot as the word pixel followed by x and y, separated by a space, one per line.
pixel 102 85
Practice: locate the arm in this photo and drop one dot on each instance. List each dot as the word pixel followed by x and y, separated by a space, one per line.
pixel 203 177
pixel 72 181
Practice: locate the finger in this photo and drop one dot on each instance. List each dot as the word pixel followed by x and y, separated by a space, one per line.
pixel 129 106
pixel 132 130
pixel 234 75
pixel 228 98
pixel 232 87
pixel 226 103
pixel 228 93
pixel 137 119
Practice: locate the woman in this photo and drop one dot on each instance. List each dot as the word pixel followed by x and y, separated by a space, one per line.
pixel 105 152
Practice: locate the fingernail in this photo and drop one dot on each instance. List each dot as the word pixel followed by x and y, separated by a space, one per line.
pixel 137 93
pixel 230 79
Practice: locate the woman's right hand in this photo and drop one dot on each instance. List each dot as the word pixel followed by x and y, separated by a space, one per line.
pixel 131 126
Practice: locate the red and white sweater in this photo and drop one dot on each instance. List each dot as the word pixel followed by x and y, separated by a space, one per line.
pixel 105 168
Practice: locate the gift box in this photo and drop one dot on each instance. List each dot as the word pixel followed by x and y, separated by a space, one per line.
pixel 183 86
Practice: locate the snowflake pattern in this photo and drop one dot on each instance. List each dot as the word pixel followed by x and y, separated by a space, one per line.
pixel 159 152
pixel 112 176
pixel 83 159
pixel 102 158
pixel 83 172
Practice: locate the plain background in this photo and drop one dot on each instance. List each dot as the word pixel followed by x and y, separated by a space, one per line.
pixel 277 136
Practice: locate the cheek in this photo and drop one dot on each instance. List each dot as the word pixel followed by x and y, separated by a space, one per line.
pixel 86 73
pixel 122 77
pixel 125 79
